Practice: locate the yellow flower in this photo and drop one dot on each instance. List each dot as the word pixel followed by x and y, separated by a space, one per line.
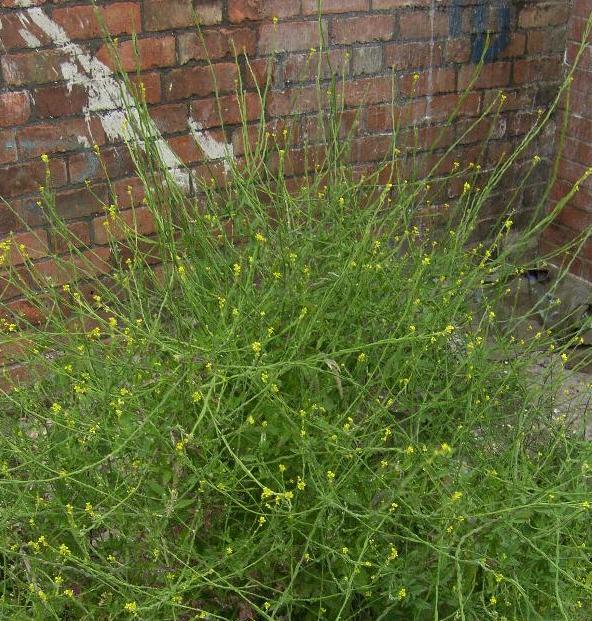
pixel 44 158
pixel 262 520
pixel 330 476
pixel 444 449
pixel 131 607
pixel 393 553
pixel 282 468
pixel 236 268
pixel 301 484
pixel 402 594
pixel 256 347
pixel 197 396
pixel 69 593
pixel 261 238
pixel 64 550
pixel 362 357
pixel 456 496
pixel 345 550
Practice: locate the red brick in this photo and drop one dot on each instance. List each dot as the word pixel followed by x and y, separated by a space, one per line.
pixel 15 108
pixel 260 72
pixel 543 15
pixel 516 99
pixel 129 192
pixel 19 31
pixel 575 219
pixel 423 25
pixel 170 118
pixel 91 263
pixel 139 220
pixel 577 30
pixel 25 311
pixel 60 100
pixel 59 137
pixel 534 70
pixel 16 4
pixel 371 148
pixel 368 91
pixel 292 101
pixel 458 50
pixel 490 75
pixel 397 4
pixel 145 53
pixel 244 10
pixel 412 55
pixel 578 151
pixel 151 83
pixel 183 83
pixel 35 246
pixel 207 111
pixel 81 202
pixel 26 178
pixel 430 82
pixel 380 118
pixel 87 22
pixel 516 46
pixel 216 44
pixel 486 129
pixel 78 236
pixel 305 67
pixel 290 37
pixel 546 41
pixel 311 7
pixel 8 152
pixel 171 14
pixel 8 219
pixel 363 29
pixel 581 128
pixel 33 67
pixel 114 162
pixel 248 10
pixel 441 107
pixel 186 149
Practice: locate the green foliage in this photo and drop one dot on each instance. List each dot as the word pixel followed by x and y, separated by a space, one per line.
pixel 311 409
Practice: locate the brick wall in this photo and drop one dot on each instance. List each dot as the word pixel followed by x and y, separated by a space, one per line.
pixel 58 96
pixel 577 153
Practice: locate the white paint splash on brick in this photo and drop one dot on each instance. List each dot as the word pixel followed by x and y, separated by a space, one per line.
pixel 108 99
pixel 29 38
pixel 212 149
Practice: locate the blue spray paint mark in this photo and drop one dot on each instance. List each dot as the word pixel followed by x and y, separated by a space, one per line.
pixel 455 19
pixel 489 47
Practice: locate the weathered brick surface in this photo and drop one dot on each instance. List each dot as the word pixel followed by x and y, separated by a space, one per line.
pixel 576 158
pixel 377 46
